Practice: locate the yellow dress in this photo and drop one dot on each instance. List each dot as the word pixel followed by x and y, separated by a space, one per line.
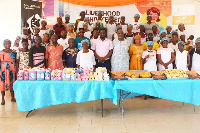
pixel 135 53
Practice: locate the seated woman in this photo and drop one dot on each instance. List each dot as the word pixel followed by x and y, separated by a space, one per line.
pixel 165 55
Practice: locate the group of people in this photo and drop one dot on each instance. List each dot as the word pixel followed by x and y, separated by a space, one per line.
pixel 118 47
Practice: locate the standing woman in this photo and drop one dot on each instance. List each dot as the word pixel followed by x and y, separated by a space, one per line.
pixel 110 27
pixel 129 35
pixel 79 22
pixel 67 18
pixel 123 24
pixel 195 57
pixel 135 53
pixel 120 56
pixel 43 29
pixel 7 71
pixel 149 25
pixel 165 56
pixel 59 27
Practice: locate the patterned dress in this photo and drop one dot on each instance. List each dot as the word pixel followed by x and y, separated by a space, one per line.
pixel 54 56
pixel 120 56
pixel 7 70
pixel 23 58
pixel 69 57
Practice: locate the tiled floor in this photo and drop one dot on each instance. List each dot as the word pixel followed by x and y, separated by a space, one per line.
pixel 150 116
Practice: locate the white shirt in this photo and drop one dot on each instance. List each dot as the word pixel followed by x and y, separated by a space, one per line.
pixel 136 27
pixel 174 47
pixel 85 60
pixel 150 64
pixel 63 42
pixel 181 60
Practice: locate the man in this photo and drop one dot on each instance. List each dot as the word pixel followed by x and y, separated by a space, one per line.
pixel 103 49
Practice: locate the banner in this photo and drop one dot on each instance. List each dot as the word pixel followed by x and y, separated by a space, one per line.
pixel 160 10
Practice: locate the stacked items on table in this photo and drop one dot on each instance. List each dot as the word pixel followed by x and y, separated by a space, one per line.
pixel 67 74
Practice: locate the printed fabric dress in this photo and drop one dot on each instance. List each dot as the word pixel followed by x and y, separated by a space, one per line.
pixel 135 53
pixel 23 58
pixel 7 70
pixel 120 56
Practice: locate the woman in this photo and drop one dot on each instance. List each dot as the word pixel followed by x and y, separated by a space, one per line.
pixel 67 18
pixel 43 29
pixel 195 57
pixel 110 27
pixel 142 33
pixel 79 22
pixel 135 53
pixel 165 56
pixel 129 35
pixel 120 56
pixel 149 25
pixel 59 26
pixel 123 24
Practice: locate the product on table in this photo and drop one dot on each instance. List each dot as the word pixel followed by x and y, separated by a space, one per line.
pixel 47 74
pixel 32 74
pixel 20 74
pixel 145 75
pixel 132 74
pixel 191 72
pixel 59 74
pixel 40 74
pixel 118 74
pixel 92 77
pixel 175 73
pixel 66 74
pixel 157 72
pixel 26 75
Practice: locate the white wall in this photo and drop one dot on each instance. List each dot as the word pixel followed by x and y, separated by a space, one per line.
pixel 10 14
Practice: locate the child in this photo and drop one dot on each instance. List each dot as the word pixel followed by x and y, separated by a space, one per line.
pixel 98 25
pixel 169 36
pixel 110 27
pixel 85 57
pixel 149 24
pixel 95 35
pixel 181 30
pixel 37 53
pixel 53 54
pixel 114 36
pixel 129 35
pixel 45 40
pixel 70 54
pixel 150 38
pixel 71 33
pixel 7 71
pixel 88 22
pixel 36 33
pixel 67 18
pixel 182 59
pixel 81 37
pixel 79 22
pixel 162 34
pixel 136 23
pixel 165 56
pixel 100 19
pixel 174 42
pixel 123 24
pixel 23 56
pixel 156 37
pixel 149 57
pixel 87 32
pixel 63 40
pixel 43 29
pixel 190 42
pixel 51 32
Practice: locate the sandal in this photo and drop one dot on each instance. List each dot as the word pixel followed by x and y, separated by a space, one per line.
pixel 13 100
pixel 3 103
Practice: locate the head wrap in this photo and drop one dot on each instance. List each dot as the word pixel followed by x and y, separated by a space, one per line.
pixel 174 32
pixel 162 31
pixel 130 25
pixel 101 24
pixel 50 30
pixel 35 28
pixel 111 16
pixel 149 16
pixel 117 27
pixel 44 21
pixel 70 24
pixel 81 12
pixel 155 26
pixel 67 15
pixel 164 39
pixel 137 15
pixel 150 43
pixel 85 40
pixel 180 25
pixel 168 27
pixel 181 42
pixel 99 12
pixel 85 23
pixel 86 18
pixel 197 40
pixel 6 40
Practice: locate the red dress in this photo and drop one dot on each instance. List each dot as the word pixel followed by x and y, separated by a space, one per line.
pixel 58 30
pixel 7 70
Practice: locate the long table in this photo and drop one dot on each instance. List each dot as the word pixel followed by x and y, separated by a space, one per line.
pixel 31 95
pixel 181 90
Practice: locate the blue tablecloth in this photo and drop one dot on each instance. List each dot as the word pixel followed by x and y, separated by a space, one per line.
pixel 181 90
pixel 38 94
